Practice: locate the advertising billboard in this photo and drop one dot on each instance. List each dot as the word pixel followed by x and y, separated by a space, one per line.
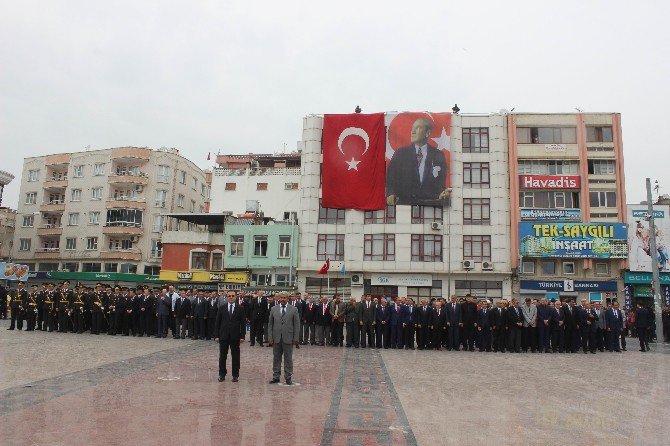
pixel 573 240
pixel 567 215
pixel 549 181
pixel 13 271
pixel 418 158
pixel 639 252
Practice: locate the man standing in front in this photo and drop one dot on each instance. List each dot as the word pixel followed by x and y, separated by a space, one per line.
pixel 454 322
pixel 231 326
pixel 284 333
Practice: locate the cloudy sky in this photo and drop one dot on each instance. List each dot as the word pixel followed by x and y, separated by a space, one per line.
pixel 238 76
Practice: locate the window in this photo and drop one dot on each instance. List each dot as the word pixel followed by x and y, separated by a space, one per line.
pixel 71 267
pixel 548 267
pixel 568 268
pixel 476 211
pixel 527 267
pixel 33 176
pixel 163 174
pixel 476 175
pixel 602 269
pixel 261 186
pixel 56 199
pixel 330 215
pixel 426 248
pixel 52 221
pixel 192 206
pixel 99 169
pixel 194 183
pixel 128 268
pixel 479 288
pixel 52 244
pixel 386 216
pixel 527 199
pixel 156 248
pixel 261 245
pixel 94 218
pixel 24 244
pixel 262 279
pixel 559 200
pixel 73 219
pixel 548 167
pixel 159 223
pixel 48 267
pixel 31 197
pixel 161 198
pixel 321 285
pixel 291 186
pixel 601 167
pixel 477 247
pixel 284 246
pixel 120 245
pixel 111 267
pixel 182 176
pixel 76 195
pixel 546 135
pixel 424 292
pixel 199 260
pixel 124 217
pixel 602 199
pixel 549 199
pixel 28 221
pixel 180 200
pixel 78 171
pixel 236 245
pixel 91 267
pixel 476 140
pixel 426 214
pixel 330 246
pixel 217 261
pixel 379 247
pixel 283 280
pixel 151 270
pixel 70 243
pixel 291 216
pixel 91 243
pixel 231 186
pixel 598 134
pixel 96 193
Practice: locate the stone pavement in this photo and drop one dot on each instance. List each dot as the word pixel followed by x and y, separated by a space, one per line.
pixel 66 389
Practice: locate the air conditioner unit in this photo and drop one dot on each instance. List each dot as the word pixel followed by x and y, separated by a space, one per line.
pixel 487 266
pixel 436 225
pixel 468 264
pixel 356 279
pixel 134 239
pixel 161 204
pixel 139 188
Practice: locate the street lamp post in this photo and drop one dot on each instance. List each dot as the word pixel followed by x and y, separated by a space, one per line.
pixel 449 244
pixel 656 282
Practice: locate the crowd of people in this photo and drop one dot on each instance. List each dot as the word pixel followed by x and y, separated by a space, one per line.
pixel 451 324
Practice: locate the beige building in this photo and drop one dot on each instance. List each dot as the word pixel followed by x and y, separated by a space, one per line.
pixel 7 224
pixel 100 210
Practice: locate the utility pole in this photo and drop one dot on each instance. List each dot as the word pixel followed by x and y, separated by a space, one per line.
pixel 656 282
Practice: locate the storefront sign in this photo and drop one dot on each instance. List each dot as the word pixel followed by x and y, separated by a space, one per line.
pixel 555 148
pixel 184 275
pixel 103 277
pixel 627 299
pixel 645 278
pixel 570 240
pixel 642 213
pixel 204 276
pixel 639 255
pixel 229 286
pixel 566 215
pixel 549 181
pixel 402 279
pixel 13 271
pixel 568 285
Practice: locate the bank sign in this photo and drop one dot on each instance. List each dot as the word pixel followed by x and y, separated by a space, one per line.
pixel 568 285
pixel 573 240
pixel 566 215
pixel 549 181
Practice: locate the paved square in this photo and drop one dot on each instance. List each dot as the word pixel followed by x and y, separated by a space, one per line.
pixel 67 389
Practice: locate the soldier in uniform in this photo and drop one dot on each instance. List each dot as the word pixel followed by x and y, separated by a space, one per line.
pixel 128 296
pixel 40 315
pixel 64 298
pixel 137 300
pixel 19 296
pixel 30 305
pixel 50 308
pixel 145 307
pixel 112 313
pixel 3 302
pixel 98 305
pixel 77 310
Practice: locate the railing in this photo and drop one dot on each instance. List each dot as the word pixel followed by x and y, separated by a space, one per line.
pixel 125 224
pixel 55 201
pixel 128 173
pixel 126 198
pixel 156 254
pixel 47 250
pixel 128 250
pixel 51 226
pixel 256 171
pixel 55 178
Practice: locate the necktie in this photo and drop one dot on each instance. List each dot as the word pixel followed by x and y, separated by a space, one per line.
pixel 438 312
pixel 419 156
pixel 410 310
pixel 230 309
pixel 283 310
pixel 368 305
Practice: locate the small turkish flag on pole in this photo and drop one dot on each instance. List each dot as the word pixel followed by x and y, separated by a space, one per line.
pixel 209 156
pixel 354 168
pixel 324 269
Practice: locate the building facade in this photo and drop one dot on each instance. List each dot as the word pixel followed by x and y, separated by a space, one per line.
pixel 100 211
pixel 417 251
pixel 567 170
pixel 267 185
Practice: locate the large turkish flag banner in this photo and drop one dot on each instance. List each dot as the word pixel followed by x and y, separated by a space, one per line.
pixel 354 170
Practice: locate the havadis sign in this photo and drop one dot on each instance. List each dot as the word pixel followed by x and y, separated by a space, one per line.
pixel 549 181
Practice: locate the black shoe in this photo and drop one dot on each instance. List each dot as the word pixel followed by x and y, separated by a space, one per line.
pixel 274 381
pixel 235 379
pixel 297 346
pixel 223 378
pixel 642 350
pixel 289 382
pixel 251 344
pixel 10 329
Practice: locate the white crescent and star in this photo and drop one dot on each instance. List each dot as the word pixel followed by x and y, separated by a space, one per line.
pixel 356 131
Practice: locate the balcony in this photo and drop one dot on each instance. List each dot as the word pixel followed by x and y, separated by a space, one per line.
pixel 256 171
pixel 118 229
pixel 50 229
pixel 131 153
pixel 55 182
pixel 60 159
pixel 122 177
pixel 53 206
pixel 122 254
pixel 122 201
pixel 47 253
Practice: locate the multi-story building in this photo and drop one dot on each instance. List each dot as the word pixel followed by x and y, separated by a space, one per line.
pixel 567 170
pixel 418 251
pixel 7 225
pixel 100 211
pixel 257 184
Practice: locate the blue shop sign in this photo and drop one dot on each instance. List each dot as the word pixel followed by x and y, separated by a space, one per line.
pixel 568 285
pixel 645 278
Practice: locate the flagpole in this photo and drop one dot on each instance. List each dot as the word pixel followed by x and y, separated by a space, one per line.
pixel 328 280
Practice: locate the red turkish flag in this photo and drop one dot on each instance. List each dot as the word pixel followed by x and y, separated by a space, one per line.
pixel 324 269
pixel 354 169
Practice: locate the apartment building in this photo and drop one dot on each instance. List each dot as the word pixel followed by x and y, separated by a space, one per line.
pixel 99 211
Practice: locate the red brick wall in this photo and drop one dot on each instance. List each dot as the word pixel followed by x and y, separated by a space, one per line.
pixel 176 255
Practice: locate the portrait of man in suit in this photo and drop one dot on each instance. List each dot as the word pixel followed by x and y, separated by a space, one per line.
pixel 417 173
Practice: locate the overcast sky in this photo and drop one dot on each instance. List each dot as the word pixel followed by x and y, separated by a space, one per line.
pixel 238 76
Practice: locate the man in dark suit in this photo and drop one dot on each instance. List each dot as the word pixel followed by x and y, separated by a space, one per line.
pixel 182 309
pixel 499 327
pixel 351 319
pixel 409 318
pixel 514 327
pixel 16 306
pixel 212 309
pixel 309 309
pixel 614 323
pixel 231 326
pixel 570 327
pixel 323 323
pixel 469 316
pixel 163 310
pixel 366 319
pixel 439 325
pixel 257 308
pixel 382 316
pixel 200 314
pixel 395 321
pixel 483 325
pixel 557 328
pixel 417 174
pixel 336 309
pixel 587 323
pixel 423 323
pixel 454 323
pixel 643 320
pixel 543 326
